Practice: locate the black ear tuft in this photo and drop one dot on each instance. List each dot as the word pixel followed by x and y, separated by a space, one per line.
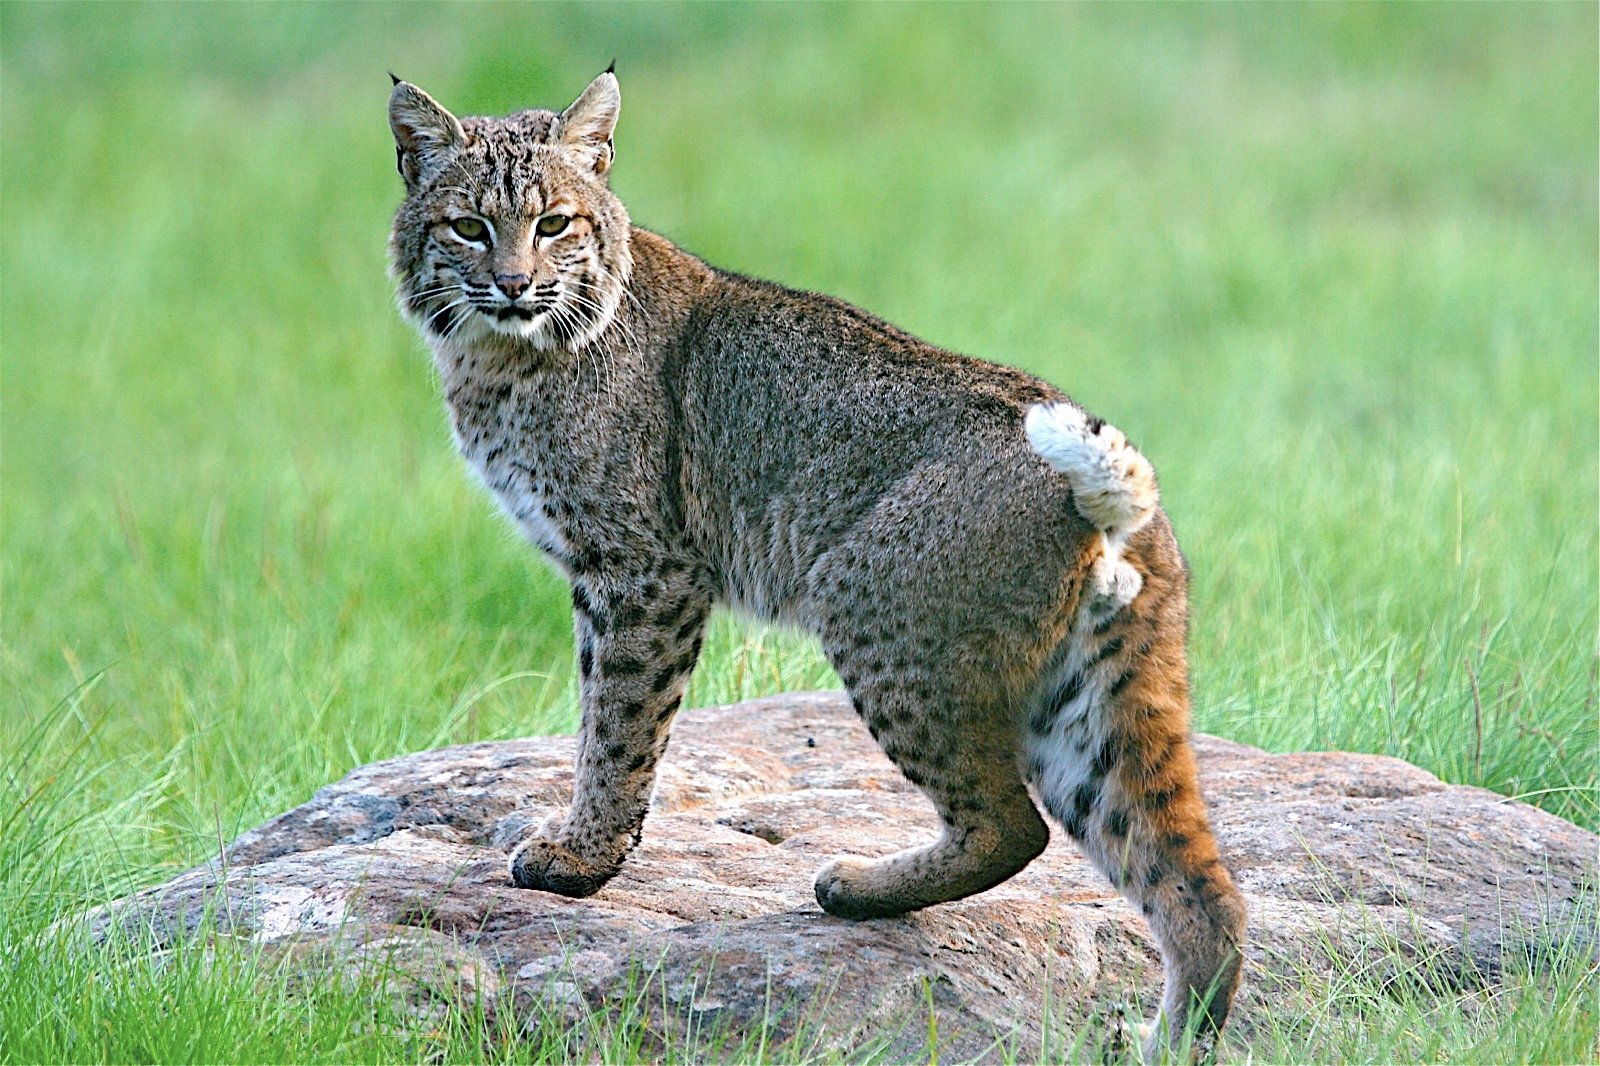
pixel 393 77
pixel 612 69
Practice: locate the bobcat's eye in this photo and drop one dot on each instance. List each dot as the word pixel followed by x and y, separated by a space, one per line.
pixel 471 229
pixel 550 225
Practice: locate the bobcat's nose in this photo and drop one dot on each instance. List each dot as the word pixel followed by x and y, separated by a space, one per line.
pixel 513 285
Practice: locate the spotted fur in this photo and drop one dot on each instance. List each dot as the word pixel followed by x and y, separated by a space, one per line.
pixel 985 565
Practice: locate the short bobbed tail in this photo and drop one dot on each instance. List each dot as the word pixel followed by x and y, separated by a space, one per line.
pixel 1113 485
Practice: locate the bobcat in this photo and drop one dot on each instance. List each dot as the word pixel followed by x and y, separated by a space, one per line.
pixel 985 564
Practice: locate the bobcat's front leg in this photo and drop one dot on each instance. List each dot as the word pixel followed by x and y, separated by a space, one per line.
pixel 637 640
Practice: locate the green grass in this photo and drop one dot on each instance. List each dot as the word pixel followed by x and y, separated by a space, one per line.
pixel 1334 268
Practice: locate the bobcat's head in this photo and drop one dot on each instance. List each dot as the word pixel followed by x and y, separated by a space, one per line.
pixel 508 230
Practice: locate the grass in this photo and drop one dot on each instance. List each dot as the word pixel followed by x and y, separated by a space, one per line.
pixel 1334 268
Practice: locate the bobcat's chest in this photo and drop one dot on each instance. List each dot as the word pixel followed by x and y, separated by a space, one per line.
pixel 509 435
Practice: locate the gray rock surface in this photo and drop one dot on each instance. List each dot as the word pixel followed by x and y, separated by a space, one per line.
pixel 402 863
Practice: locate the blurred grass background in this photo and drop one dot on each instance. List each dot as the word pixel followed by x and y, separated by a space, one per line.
pixel 1333 267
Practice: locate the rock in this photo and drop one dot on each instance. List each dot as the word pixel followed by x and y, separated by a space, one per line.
pixel 403 864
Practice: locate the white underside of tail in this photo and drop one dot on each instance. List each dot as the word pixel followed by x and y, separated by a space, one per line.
pixel 1113 485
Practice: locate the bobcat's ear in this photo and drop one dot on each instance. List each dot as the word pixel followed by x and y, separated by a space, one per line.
pixel 585 128
pixel 426 136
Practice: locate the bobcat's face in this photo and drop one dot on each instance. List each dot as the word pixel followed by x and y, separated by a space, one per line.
pixel 508 228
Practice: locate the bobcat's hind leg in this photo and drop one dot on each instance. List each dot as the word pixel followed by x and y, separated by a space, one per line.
pixel 1152 840
pixel 962 754
pixel 1108 750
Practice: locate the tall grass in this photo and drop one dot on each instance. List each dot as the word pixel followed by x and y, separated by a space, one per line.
pixel 1333 267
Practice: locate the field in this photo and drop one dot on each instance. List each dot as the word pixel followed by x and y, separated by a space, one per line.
pixel 1334 269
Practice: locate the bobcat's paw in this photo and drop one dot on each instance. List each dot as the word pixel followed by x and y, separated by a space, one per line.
pixel 1157 1047
pixel 542 863
pixel 1121 1038
pixel 844 890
